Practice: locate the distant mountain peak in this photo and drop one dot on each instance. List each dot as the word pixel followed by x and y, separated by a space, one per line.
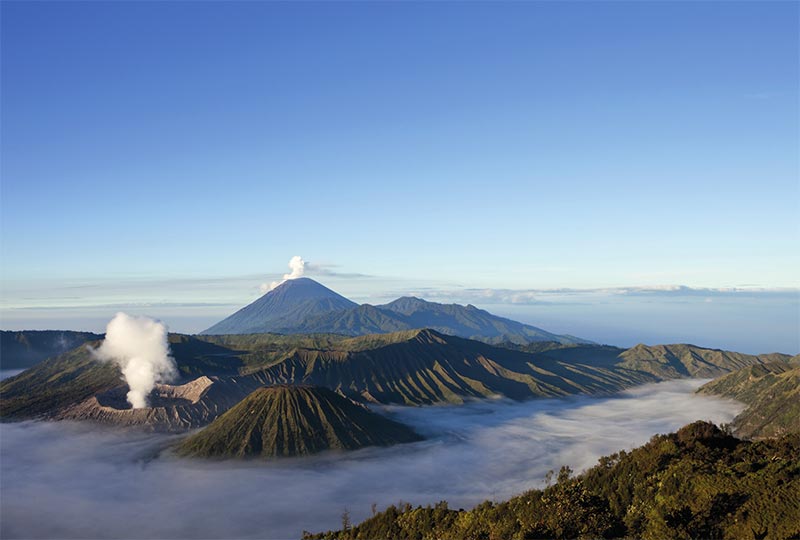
pixel 426 335
pixel 303 283
pixel 408 300
pixel 298 282
pixel 285 306
pixel 303 306
pixel 408 305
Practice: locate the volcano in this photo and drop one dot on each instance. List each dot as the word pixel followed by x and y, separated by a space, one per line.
pixel 287 305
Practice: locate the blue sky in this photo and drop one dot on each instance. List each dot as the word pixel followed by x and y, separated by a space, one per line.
pixel 177 154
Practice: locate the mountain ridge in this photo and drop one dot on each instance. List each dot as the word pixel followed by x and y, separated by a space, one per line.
pixel 415 367
pixel 682 359
pixel 772 393
pixel 303 306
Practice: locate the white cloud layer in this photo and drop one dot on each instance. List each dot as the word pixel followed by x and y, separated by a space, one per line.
pixel 549 296
pixel 71 481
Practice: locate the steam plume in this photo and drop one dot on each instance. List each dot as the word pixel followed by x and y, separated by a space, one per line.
pixel 297 266
pixel 140 347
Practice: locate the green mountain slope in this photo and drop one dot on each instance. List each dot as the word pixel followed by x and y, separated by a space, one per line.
pixel 56 383
pixel 772 393
pixel 409 313
pixel 413 367
pixel 696 483
pixel 23 349
pixel 362 320
pixel 470 322
pixel 293 420
pixel 424 367
pixel 682 360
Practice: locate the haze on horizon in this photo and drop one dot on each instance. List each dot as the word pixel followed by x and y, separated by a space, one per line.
pixel 626 172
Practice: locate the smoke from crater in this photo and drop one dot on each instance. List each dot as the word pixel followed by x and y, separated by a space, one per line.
pixel 139 345
pixel 297 266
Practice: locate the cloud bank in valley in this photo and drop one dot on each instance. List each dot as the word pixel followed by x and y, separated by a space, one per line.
pixel 140 346
pixel 69 481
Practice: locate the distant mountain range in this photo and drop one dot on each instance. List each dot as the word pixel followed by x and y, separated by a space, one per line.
pixel 284 420
pixel 682 360
pixel 303 306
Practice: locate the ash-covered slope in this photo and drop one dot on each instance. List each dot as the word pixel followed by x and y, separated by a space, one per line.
pixel 772 393
pixel 288 305
pixel 292 421
pixel 172 408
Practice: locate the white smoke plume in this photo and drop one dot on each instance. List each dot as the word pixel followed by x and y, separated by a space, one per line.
pixel 140 347
pixel 297 266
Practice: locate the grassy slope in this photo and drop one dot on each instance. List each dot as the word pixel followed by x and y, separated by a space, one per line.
pixel 293 420
pixel 66 379
pixel 422 367
pixel 772 393
pixel 413 313
pixel 697 483
pixel 681 360
pixel 469 322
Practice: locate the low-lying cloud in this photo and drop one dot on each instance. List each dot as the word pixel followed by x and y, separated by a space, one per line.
pixel 140 346
pixel 493 296
pixel 75 481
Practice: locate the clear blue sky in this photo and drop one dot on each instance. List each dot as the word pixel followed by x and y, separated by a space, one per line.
pixel 459 145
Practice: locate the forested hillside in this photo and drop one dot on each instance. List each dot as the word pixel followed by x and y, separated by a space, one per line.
pixel 697 483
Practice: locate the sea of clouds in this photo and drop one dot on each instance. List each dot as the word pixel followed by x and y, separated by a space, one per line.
pixel 63 480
